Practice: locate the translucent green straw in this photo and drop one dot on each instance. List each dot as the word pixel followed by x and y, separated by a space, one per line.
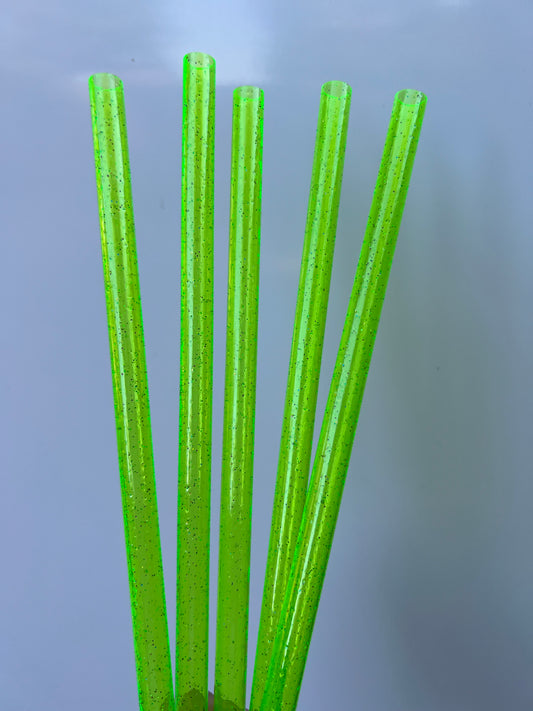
pixel 239 402
pixel 342 410
pixel 304 367
pixel 130 391
pixel 196 382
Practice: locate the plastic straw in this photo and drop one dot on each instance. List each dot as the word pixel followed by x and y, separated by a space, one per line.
pixel 304 367
pixel 239 402
pixel 342 410
pixel 130 392
pixel 196 382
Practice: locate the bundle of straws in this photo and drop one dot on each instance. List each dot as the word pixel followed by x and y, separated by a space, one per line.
pixel 305 511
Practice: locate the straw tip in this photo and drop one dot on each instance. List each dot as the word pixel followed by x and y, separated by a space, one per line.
pixel 104 81
pixel 411 97
pixel 249 93
pixel 337 89
pixel 199 60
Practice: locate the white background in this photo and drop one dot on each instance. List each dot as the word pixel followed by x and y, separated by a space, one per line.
pixel 428 598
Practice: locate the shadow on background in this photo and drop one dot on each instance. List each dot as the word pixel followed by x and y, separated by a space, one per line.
pixel 442 584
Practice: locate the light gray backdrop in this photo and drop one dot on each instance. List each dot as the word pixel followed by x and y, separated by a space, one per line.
pixel 428 599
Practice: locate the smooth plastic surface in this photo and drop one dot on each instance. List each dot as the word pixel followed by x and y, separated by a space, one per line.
pixel 196 382
pixel 130 391
pixel 239 401
pixel 304 367
pixel 337 434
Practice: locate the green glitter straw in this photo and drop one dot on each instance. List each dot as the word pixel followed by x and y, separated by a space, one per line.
pixel 337 434
pixel 304 368
pixel 239 401
pixel 196 382
pixel 130 391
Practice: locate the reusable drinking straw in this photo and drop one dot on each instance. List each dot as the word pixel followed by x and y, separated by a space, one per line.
pixel 239 402
pixel 196 382
pixel 304 367
pixel 342 410
pixel 130 391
